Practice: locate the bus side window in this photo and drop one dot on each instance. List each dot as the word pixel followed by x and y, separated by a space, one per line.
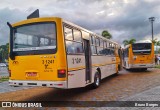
pixel 73 46
pixel 101 42
pixel 78 47
pixel 77 35
pixel 68 33
pixel 93 48
pixel 97 42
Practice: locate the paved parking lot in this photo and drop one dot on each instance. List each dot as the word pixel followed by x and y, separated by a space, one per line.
pixel 4 87
pixel 3 71
pixel 112 89
pixel 128 85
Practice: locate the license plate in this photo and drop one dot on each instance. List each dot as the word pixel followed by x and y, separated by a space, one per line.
pixel 31 74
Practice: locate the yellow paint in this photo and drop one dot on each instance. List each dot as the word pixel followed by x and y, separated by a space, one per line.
pixel 141 59
pixel 33 63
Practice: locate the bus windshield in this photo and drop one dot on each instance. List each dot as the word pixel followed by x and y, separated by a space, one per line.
pixel 141 48
pixel 34 36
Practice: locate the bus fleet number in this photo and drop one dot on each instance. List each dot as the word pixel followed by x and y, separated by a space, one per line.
pixel 47 61
pixel 76 60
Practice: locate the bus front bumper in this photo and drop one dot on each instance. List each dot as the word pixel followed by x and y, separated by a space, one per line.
pixel 55 84
pixel 142 65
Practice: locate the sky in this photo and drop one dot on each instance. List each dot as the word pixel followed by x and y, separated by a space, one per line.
pixel 124 19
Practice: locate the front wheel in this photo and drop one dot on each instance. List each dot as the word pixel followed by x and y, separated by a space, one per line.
pixel 97 80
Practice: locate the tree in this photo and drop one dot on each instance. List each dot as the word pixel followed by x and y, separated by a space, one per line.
pixel 158 43
pixel 154 41
pixel 131 41
pixel 4 52
pixel 106 34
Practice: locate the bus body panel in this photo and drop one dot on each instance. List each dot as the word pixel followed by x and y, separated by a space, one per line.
pixel 76 71
pixel 45 65
pixel 107 65
pixel 139 60
pixel 42 70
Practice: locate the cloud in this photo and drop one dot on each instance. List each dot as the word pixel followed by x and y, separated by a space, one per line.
pixel 8 15
pixel 125 19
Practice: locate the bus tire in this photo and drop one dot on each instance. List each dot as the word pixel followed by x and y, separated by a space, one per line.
pixel 97 80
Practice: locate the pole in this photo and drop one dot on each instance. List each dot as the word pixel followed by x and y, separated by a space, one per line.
pixel 151 19
pixel 152 30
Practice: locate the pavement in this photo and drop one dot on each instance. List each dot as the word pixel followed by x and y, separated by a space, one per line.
pixel 152 94
pixel 4 87
pixel 3 71
pixel 149 96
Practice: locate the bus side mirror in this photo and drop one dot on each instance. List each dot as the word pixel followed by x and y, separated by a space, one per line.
pixel 11 54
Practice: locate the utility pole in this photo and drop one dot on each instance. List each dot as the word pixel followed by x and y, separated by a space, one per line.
pixel 152 19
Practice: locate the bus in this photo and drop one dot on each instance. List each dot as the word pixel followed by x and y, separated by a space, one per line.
pixel 138 56
pixel 52 52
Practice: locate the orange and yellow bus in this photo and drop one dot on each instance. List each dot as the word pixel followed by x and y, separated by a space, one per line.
pixel 138 56
pixel 52 52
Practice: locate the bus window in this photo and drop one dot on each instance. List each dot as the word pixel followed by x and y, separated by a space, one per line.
pixel 74 47
pixel 68 33
pixel 105 44
pixel 101 42
pixel 112 52
pixel 34 35
pixel 141 48
pixel 99 50
pixel 93 49
pixel 77 35
pixel 97 42
pixel 93 40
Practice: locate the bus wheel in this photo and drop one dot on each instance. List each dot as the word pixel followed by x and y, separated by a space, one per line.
pixel 97 80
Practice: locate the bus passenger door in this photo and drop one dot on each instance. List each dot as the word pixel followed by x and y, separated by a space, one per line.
pixel 87 52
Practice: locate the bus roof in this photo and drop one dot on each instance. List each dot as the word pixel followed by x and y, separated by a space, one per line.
pixel 41 19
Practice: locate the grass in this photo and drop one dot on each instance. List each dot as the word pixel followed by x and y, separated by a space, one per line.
pixel 157 66
pixel 4 79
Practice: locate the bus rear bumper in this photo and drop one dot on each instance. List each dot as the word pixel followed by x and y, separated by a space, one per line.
pixel 142 65
pixel 55 84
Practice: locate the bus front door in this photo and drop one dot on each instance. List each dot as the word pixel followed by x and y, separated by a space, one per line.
pixel 87 52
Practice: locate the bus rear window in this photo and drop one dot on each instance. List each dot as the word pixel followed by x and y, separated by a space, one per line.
pixel 35 36
pixel 141 48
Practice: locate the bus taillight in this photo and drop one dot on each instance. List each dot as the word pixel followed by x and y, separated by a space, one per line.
pixel 61 73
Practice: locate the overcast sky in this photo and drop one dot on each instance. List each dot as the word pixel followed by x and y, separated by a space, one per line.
pixel 124 19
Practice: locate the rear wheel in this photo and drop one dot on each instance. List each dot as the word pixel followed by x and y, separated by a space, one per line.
pixel 97 80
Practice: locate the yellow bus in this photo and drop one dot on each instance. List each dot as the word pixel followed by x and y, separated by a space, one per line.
pixel 138 56
pixel 53 52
